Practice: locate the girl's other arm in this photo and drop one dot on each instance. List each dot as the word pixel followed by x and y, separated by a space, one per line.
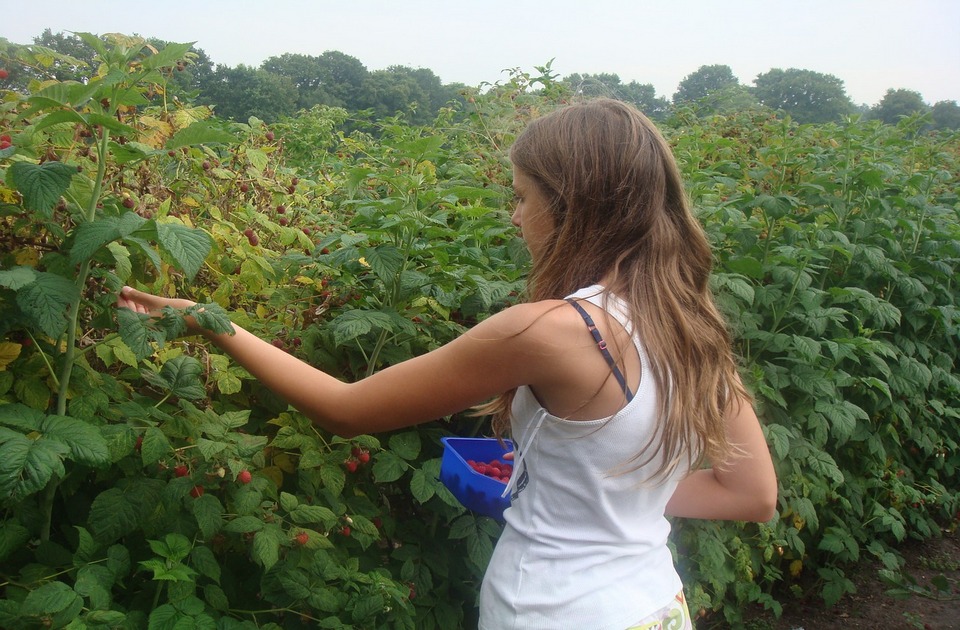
pixel 743 489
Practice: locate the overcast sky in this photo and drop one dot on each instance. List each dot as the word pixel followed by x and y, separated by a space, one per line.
pixel 872 45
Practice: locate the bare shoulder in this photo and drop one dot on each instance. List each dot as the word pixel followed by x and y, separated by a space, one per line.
pixel 531 320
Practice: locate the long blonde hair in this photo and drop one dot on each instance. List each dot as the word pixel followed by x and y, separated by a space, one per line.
pixel 620 211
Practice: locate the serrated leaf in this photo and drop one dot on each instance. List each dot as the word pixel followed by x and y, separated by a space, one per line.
pixel 183 374
pixel 49 599
pixel 206 564
pixel 200 133
pixel 94 582
pixel 188 247
pixel 386 261
pixel 307 514
pixel 12 536
pixel 46 300
pixel 208 511
pixel 212 317
pixel 87 445
pixel 91 236
pixel 406 444
pixel 120 510
pixel 388 467
pixel 244 525
pixel 420 487
pixel 41 184
pixel 173 547
pixel 354 323
pixel 155 446
pixel 9 352
pixel 27 465
pixel 17 278
pixel 266 546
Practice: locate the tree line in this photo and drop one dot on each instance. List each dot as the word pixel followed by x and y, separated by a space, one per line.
pixel 285 84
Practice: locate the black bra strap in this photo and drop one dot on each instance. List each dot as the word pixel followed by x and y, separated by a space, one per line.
pixel 592 327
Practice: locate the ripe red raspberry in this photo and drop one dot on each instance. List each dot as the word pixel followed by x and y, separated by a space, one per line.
pixel 352 465
pixel 181 471
pixel 3 74
pixel 302 538
pixel 364 457
pixel 244 477
pixel 196 492
pixel 345 530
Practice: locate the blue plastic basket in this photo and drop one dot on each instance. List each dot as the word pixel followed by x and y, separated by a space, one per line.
pixel 476 492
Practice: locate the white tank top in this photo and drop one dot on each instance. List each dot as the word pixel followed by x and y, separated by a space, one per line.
pixel 585 545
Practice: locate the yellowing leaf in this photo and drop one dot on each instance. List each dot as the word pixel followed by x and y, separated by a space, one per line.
pixel 796 567
pixel 27 257
pixel 285 462
pixel 7 195
pixel 9 352
pixel 274 474
pixel 262 312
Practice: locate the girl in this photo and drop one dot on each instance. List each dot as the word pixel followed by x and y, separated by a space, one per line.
pixel 617 382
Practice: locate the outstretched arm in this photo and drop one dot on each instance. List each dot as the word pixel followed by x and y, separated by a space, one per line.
pixel 743 489
pixel 493 357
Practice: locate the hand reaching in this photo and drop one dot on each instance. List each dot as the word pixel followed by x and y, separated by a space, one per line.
pixel 146 303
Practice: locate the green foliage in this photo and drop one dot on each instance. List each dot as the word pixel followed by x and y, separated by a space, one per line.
pixel 896 104
pixel 146 481
pixel 805 95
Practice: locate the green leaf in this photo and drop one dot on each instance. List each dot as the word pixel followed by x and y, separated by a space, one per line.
pixel 89 237
pixel 46 301
pixel 188 247
pixel 120 510
pixel 208 511
pixel 354 323
pixel 388 467
pixel 173 547
pixel 41 184
pixel 420 486
pixel 12 536
pixel 386 261
pixel 27 465
pixel 49 599
pixel 135 333
pixel 212 317
pixel 59 117
pixel 244 525
pixel 406 444
pixel 183 374
pixel 95 582
pixel 155 446
pixel 203 560
pixel 166 617
pixel 200 133
pixel 307 514
pixel 17 278
pixel 87 445
pixel 266 545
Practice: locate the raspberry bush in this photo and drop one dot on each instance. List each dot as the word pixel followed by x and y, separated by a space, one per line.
pixel 145 481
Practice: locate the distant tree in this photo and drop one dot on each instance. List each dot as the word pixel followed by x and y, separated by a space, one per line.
pixel 946 115
pixel 896 104
pixel 333 78
pixel 72 46
pixel 807 96
pixel 642 95
pixel 418 93
pixel 241 92
pixel 705 80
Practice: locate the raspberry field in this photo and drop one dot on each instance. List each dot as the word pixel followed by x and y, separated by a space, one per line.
pixel 146 482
